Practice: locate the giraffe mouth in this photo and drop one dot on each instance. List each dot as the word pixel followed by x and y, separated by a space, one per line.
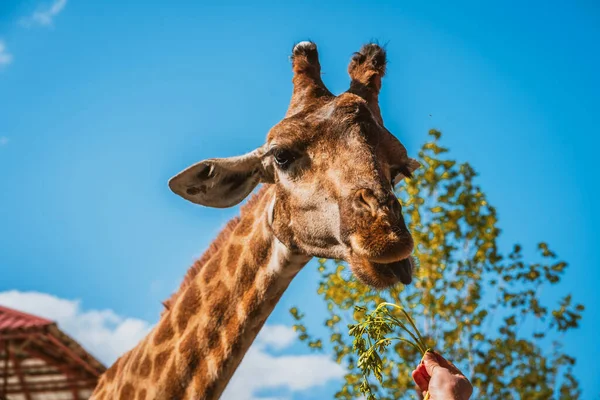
pixel 402 269
pixel 382 275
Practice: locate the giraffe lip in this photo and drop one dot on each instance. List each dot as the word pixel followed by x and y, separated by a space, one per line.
pixel 402 269
pixel 381 275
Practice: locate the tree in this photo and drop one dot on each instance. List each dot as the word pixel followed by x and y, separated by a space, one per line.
pixel 475 305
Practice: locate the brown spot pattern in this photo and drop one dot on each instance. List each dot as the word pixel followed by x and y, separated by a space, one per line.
pixel 261 252
pixel 127 392
pixel 188 306
pixel 203 385
pixel 233 332
pixel 145 367
pixel 174 388
pixel 137 358
pixel 159 363
pixel 141 395
pixel 234 252
pixel 213 338
pixel 218 302
pixel 188 348
pixel 252 300
pixel 165 330
pixel 245 226
pixel 244 277
pixel 211 269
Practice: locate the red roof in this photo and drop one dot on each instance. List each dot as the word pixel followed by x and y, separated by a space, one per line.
pixel 40 362
pixel 12 320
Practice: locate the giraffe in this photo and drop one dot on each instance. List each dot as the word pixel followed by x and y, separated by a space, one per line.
pixel 327 172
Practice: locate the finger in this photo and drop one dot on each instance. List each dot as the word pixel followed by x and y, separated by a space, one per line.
pixel 431 363
pixel 422 370
pixel 447 364
pixel 420 380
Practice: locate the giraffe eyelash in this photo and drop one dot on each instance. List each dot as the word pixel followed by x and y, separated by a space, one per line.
pixel 400 170
pixel 405 171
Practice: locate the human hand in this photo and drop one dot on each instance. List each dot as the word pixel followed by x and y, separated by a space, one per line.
pixel 441 379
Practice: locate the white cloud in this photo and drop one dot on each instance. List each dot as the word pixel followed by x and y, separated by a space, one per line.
pixel 4 140
pixel 260 370
pixel 277 337
pixel 5 57
pixel 107 335
pixel 45 16
pixel 102 332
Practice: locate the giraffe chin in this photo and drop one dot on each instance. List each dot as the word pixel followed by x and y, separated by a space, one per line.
pixel 382 275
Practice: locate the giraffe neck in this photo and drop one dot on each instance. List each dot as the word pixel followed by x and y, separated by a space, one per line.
pixel 199 342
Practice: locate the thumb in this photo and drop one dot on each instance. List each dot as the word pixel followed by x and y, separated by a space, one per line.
pixel 431 363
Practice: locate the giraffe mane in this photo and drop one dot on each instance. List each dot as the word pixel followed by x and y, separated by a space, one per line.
pixel 215 245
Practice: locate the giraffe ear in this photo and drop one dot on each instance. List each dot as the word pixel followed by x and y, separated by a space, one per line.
pixel 220 182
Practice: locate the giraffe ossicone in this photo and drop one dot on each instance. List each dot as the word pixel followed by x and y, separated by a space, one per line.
pixel 305 44
pixel 327 171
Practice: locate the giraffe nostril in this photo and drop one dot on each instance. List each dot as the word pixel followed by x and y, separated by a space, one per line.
pixel 364 199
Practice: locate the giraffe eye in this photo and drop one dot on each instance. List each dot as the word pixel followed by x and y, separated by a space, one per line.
pixel 284 158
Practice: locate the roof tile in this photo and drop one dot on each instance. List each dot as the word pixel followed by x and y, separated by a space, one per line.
pixel 11 320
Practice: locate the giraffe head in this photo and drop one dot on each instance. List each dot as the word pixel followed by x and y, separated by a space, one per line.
pixel 333 165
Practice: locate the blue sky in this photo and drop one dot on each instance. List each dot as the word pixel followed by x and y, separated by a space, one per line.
pixel 102 102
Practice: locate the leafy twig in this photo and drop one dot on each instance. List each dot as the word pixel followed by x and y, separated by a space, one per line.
pixel 375 326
